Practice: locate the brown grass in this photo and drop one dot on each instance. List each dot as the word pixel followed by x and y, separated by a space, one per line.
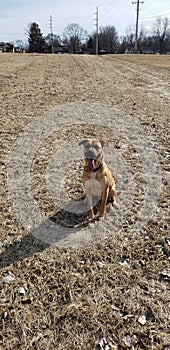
pixel 157 61
pixel 75 297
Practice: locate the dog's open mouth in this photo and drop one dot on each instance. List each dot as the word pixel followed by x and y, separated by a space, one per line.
pixel 91 164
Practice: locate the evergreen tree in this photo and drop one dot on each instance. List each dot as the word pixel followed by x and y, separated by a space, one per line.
pixel 35 38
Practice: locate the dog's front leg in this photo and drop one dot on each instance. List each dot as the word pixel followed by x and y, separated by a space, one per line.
pixel 89 200
pixel 104 201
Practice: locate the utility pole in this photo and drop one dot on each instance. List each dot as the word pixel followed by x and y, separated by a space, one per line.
pixel 138 2
pixel 51 32
pixel 97 30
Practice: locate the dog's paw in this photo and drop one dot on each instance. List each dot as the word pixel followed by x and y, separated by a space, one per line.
pixel 116 205
pixel 91 219
pixel 91 224
pixel 101 216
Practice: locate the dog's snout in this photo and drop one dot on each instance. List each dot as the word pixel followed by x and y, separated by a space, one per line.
pixel 90 154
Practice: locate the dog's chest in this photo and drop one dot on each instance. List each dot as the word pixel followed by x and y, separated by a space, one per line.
pixel 93 187
pixel 92 175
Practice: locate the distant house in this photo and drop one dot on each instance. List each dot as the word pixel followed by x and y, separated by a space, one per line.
pixel 18 49
pixel 6 47
pixel 60 49
pixel 147 50
pixel 129 51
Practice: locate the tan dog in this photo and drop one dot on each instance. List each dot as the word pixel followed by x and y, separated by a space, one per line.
pixel 97 177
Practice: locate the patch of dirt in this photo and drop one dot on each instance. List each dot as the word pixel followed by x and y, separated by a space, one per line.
pixel 91 288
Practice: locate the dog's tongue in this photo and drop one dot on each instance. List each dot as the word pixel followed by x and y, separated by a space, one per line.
pixel 91 164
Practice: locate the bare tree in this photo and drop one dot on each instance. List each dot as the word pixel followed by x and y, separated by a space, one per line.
pixel 142 37
pixel 19 43
pixel 130 38
pixel 73 36
pixel 160 31
pixel 108 39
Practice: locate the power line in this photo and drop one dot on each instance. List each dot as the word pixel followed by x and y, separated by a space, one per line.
pixel 122 15
pixel 155 15
pixel 122 12
pixel 105 11
pixel 113 9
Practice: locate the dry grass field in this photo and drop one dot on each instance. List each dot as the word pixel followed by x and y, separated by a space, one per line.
pixel 67 284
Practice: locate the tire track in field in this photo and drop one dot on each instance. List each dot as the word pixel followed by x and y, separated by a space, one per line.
pixel 56 80
pixel 150 78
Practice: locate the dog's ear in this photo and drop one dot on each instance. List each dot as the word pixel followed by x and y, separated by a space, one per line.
pixel 82 142
pixel 102 143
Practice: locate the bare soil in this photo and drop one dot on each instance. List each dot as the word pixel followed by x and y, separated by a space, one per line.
pixel 103 285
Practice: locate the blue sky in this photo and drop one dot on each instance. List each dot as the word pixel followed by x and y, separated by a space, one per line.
pixel 15 15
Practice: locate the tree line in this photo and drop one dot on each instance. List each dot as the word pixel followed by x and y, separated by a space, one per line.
pixel 75 39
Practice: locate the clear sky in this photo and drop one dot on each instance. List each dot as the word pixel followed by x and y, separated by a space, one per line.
pixel 15 15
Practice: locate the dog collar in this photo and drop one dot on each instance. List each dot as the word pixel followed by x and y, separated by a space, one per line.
pixel 99 167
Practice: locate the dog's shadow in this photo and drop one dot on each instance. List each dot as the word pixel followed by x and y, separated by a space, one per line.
pixel 68 220
pixel 74 213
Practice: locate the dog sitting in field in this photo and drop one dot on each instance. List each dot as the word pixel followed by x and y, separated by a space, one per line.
pixel 97 177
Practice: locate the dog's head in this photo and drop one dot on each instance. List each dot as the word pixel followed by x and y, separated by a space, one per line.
pixel 93 153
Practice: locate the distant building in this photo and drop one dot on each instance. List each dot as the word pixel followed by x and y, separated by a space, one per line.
pixel 147 50
pixel 6 47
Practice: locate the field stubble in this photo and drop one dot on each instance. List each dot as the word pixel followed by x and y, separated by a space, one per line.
pixel 100 287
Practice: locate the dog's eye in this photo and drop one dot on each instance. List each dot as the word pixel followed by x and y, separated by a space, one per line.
pixel 96 147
